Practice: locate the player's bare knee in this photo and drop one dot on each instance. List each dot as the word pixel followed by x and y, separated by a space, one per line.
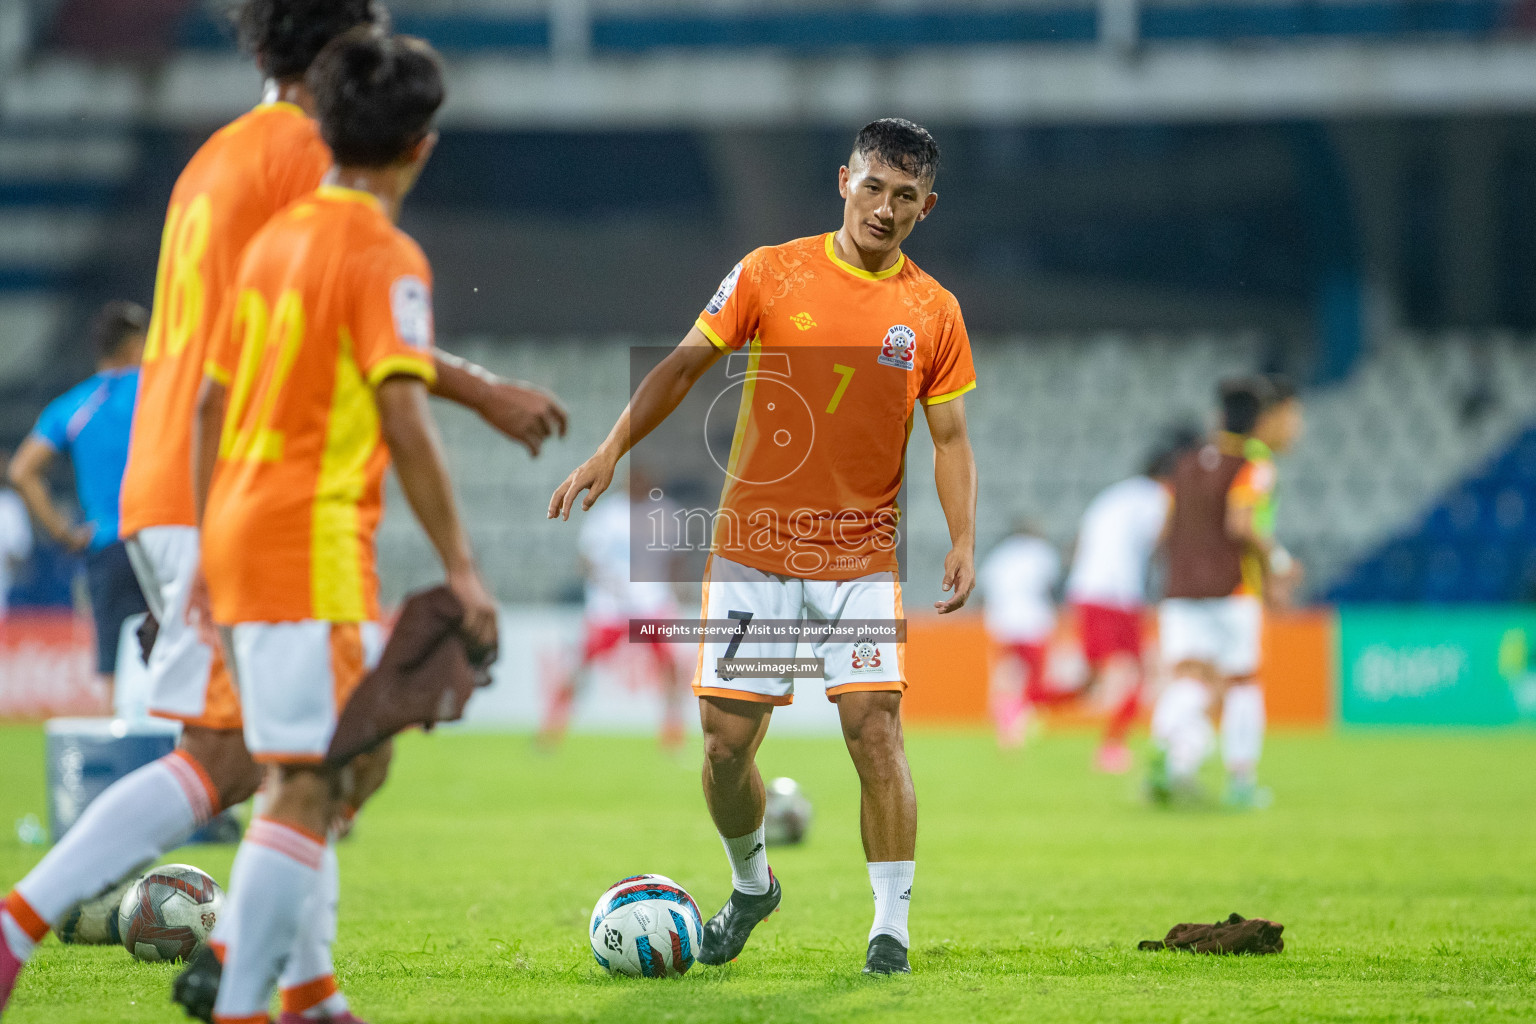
pixel 727 752
pixel 223 756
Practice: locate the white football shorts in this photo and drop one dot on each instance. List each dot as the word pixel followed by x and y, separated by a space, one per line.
pixel 1220 631
pixel 294 679
pixel 187 678
pixel 735 591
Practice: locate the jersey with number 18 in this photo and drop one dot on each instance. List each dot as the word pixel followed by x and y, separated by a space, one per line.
pixel 330 300
pixel 246 172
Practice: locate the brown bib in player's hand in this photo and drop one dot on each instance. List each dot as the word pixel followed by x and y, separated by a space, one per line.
pixel 426 675
pixel 1236 934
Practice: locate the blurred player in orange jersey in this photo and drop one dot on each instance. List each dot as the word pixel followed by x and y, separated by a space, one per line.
pixel 1219 556
pixel 237 180
pixel 317 376
pixel 806 526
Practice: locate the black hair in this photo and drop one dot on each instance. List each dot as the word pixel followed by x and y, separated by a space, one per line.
pixel 899 143
pixel 285 36
pixel 117 324
pixel 1242 399
pixel 375 95
pixel 1174 444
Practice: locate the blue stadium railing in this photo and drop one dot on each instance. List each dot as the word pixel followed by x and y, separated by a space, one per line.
pixel 843 26
pixel 1477 544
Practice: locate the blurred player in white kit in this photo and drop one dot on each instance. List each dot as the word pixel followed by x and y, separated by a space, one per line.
pixel 1107 590
pixel 613 597
pixel 1016 581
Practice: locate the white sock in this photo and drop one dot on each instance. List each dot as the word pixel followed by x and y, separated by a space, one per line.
pixel 1242 729
pixel 15 937
pixel 749 861
pixel 139 817
pixel 276 870
pixel 892 882
pixel 1181 728
pixel 308 983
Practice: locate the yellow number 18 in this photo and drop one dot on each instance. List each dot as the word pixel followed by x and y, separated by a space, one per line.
pixel 180 296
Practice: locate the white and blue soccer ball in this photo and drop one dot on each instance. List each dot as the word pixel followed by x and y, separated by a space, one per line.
pixel 646 926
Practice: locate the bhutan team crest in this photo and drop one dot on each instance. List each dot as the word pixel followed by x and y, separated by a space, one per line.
pixel 899 346
pixel 866 655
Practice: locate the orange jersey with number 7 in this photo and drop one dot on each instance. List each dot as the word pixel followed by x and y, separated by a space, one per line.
pixel 836 359
pixel 330 300
pixel 245 173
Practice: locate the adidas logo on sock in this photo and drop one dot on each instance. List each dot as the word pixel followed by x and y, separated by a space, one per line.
pixel 908 894
pixel 755 851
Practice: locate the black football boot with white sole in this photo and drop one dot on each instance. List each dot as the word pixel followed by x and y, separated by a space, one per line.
pixel 725 934
pixel 886 956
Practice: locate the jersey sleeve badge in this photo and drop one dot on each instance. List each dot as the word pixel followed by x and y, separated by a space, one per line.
pixel 727 286
pixel 411 304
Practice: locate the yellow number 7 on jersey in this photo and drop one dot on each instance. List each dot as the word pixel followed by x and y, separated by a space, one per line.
pixel 269 344
pixel 846 372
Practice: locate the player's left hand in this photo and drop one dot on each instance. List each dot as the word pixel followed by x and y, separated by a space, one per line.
pixel 526 413
pixel 592 476
pixel 199 614
pixel 959 579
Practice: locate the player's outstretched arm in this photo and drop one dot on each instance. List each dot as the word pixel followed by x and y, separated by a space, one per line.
pixel 662 390
pixel 526 413
pixel 408 430
pixel 954 474
pixel 28 474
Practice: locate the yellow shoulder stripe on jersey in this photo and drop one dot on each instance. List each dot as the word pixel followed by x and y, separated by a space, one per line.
pixel 709 333
pixel 951 396
pixel 868 275
pixel 402 365
pixel 283 105
pixel 351 195
pixel 216 372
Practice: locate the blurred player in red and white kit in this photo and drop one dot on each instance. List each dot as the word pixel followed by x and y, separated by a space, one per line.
pixel 1107 590
pixel 613 596
pixel 1221 559
pixel 1016 581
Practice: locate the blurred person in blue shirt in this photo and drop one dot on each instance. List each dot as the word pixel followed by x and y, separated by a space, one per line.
pixel 90 423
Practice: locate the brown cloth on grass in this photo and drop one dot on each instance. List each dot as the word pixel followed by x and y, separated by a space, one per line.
pixel 1236 934
pixel 426 675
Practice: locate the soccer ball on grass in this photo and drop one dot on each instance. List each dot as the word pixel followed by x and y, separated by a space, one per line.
pixel 646 926
pixel 167 914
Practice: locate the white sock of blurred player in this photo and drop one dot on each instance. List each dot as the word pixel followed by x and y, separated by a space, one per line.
pixel 891 881
pixel 749 861
pixel 307 985
pixel 143 814
pixel 1181 728
pixel 276 870
pixel 1242 730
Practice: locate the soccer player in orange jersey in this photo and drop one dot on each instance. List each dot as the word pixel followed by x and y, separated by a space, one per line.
pixel 806 530
pixel 237 180
pixel 321 363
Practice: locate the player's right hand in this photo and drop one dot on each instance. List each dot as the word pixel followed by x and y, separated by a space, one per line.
pixel 479 606
pixel 592 476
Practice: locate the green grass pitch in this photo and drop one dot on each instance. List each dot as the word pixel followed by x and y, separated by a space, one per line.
pixel 1402 864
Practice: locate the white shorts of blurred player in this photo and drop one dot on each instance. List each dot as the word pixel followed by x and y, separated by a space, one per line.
pixel 187 680
pixel 294 679
pixel 1220 631
pixel 735 591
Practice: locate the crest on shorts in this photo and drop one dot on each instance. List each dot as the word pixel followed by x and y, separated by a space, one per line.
pixel 899 346
pixel 727 286
pixel 866 655
pixel 410 301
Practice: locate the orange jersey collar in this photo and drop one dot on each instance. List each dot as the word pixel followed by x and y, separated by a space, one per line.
pixel 860 272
